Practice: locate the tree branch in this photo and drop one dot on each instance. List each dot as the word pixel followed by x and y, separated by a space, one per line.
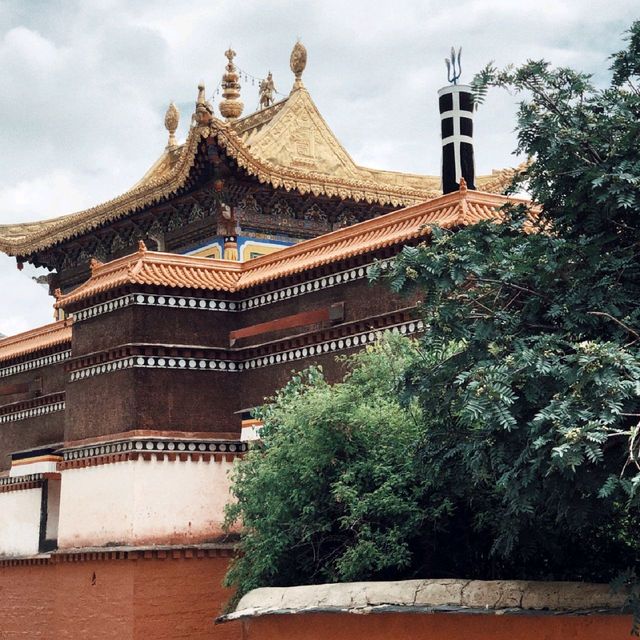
pixel 622 324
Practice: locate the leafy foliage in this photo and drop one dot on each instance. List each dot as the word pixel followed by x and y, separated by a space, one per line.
pixel 329 493
pixel 505 442
pixel 539 411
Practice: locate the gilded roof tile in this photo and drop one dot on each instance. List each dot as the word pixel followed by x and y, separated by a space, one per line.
pixel 50 335
pixel 287 145
pixel 171 270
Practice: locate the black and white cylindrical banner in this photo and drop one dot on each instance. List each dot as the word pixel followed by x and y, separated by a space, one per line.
pixel 456 124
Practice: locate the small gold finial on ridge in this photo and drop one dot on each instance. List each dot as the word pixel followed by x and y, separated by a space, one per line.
pixel 171 121
pixel 201 95
pixel 204 109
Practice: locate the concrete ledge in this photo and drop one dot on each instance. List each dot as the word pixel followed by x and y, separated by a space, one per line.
pixel 447 595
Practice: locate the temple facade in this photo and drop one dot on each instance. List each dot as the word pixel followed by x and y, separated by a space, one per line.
pixel 237 188
pixel 240 256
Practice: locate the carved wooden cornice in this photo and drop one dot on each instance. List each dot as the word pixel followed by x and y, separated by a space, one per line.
pixel 152 268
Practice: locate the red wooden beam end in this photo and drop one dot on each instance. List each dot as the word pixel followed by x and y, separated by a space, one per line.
pixel 334 313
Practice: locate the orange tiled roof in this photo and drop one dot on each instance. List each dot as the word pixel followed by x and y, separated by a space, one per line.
pixel 451 210
pixel 157 268
pixel 44 337
pixel 166 269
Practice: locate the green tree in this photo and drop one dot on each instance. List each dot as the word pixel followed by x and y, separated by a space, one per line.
pixel 537 412
pixel 329 494
pixel 505 442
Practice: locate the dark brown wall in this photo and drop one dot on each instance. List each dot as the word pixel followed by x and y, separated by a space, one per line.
pixel 53 378
pixel 155 324
pixel 258 384
pixel 30 433
pixel 154 399
pixel 101 405
pixel 188 400
pixel 361 300
pixel 183 400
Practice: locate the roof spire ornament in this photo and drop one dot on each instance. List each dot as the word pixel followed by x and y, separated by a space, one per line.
pixel 94 264
pixel 171 120
pixel 453 74
pixel 298 62
pixel 204 109
pixel 231 106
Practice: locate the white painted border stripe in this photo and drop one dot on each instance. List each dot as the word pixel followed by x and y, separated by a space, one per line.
pixel 34 412
pixel 204 304
pixel 37 363
pixel 203 364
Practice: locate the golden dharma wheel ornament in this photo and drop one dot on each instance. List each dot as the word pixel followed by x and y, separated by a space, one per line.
pixel 171 121
pixel 298 62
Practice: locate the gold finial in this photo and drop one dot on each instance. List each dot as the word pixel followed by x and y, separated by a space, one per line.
pixel 171 120
pixel 204 109
pixel 463 187
pixel 201 95
pixel 298 62
pixel 231 106
pixel 142 247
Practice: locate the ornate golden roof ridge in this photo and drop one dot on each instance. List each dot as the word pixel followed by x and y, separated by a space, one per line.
pixel 171 171
pixel 23 239
pixel 255 119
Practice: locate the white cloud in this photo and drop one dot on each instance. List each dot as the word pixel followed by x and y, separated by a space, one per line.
pixel 33 199
pixel 85 83
pixel 24 304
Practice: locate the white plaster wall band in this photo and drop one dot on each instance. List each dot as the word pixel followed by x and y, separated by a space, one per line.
pixel 178 302
pixel 30 478
pixel 153 446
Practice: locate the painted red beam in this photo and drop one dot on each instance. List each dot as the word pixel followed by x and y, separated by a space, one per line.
pixel 10 389
pixel 334 313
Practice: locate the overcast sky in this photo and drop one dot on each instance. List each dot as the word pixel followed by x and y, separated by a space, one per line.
pixel 84 85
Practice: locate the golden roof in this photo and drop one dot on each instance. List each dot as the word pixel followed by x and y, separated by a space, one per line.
pixel 286 145
pixel 172 270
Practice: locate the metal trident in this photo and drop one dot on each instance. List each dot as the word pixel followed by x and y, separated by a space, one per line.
pixel 452 74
